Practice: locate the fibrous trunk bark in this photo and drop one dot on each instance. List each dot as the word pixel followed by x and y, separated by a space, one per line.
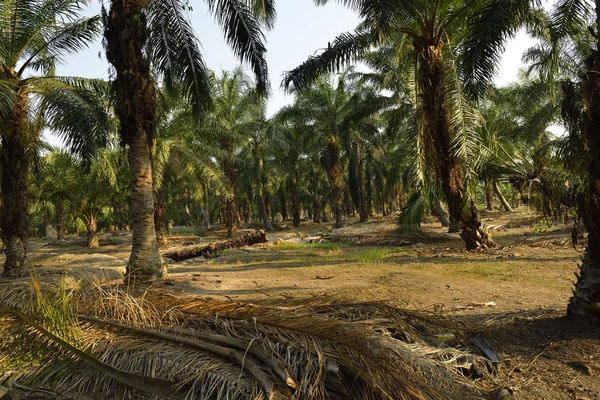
pixel 91 225
pixel 434 124
pixel 135 108
pixel 334 172
pixel 160 217
pixel 586 296
pixel 14 161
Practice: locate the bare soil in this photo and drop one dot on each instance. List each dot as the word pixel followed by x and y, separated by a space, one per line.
pixel 517 292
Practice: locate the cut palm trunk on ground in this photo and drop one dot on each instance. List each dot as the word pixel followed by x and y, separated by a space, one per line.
pixel 213 249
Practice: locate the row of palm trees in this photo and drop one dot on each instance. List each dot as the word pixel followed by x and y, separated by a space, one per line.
pixel 425 113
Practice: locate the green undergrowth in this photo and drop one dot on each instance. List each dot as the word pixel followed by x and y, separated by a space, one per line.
pixel 341 251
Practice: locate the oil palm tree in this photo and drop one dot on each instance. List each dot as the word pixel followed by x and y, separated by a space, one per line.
pixel 570 54
pixel 35 36
pixel 180 151
pixel 145 36
pixel 334 108
pixel 430 33
pixel 236 106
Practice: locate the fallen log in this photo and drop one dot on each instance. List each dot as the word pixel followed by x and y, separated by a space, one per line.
pixel 211 250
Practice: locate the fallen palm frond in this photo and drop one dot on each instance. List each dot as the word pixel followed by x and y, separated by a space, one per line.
pixel 206 349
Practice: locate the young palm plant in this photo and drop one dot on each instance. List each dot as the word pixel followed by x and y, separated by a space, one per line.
pixel 35 35
pixel 146 36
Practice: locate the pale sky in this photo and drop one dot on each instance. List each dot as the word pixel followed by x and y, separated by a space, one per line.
pixel 301 29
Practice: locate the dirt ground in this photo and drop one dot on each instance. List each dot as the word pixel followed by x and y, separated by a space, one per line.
pixel 518 291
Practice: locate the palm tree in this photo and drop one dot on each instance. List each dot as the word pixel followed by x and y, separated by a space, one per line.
pixel 426 32
pixel 570 54
pixel 233 117
pixel 154 36
pixel 35 36
pixel 181 151
pixel 334 109
pixel 292 141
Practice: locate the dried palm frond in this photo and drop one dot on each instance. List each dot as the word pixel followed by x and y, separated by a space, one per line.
pixel 194 348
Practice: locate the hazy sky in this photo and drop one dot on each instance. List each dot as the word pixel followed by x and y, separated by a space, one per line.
pixel 301 29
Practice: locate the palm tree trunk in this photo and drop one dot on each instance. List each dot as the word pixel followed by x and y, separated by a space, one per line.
pixel 324 211
pixel 14 161
pixel 231 212
pixel 316 201
pixel 438 212
pixel 60 220
pixel 136 109
pixel 295 200
pixel 362 188
pixel 263 213
pixel 586 296
pixel 14 206
pixel 334 171
pixel 160 217
pixel 246 209
pixel 91 225
pixel 505 205
pixel 489 196
pixel 283 202
pixel 435 127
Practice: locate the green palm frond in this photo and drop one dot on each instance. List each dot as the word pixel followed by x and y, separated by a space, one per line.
pixel 76 110
pixel 264 10
pixel 68 39
pixel 498 21
pixel 411 215
pixel 7 97
pixel 244 35
pixel 345 49
pixel 175 53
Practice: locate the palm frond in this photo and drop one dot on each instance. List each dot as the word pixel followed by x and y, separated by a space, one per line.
pixel 175 53
pixel 488 32
pixel 345 49
pixel 244 35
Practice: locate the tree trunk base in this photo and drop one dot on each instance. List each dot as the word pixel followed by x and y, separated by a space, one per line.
pixel 477 238
pixel 585 301
pixel 473 232
pixel 15 265
pixel 92 241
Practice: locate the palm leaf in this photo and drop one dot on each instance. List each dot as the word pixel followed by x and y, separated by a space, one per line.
pixel 244 35
pixel 175 53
